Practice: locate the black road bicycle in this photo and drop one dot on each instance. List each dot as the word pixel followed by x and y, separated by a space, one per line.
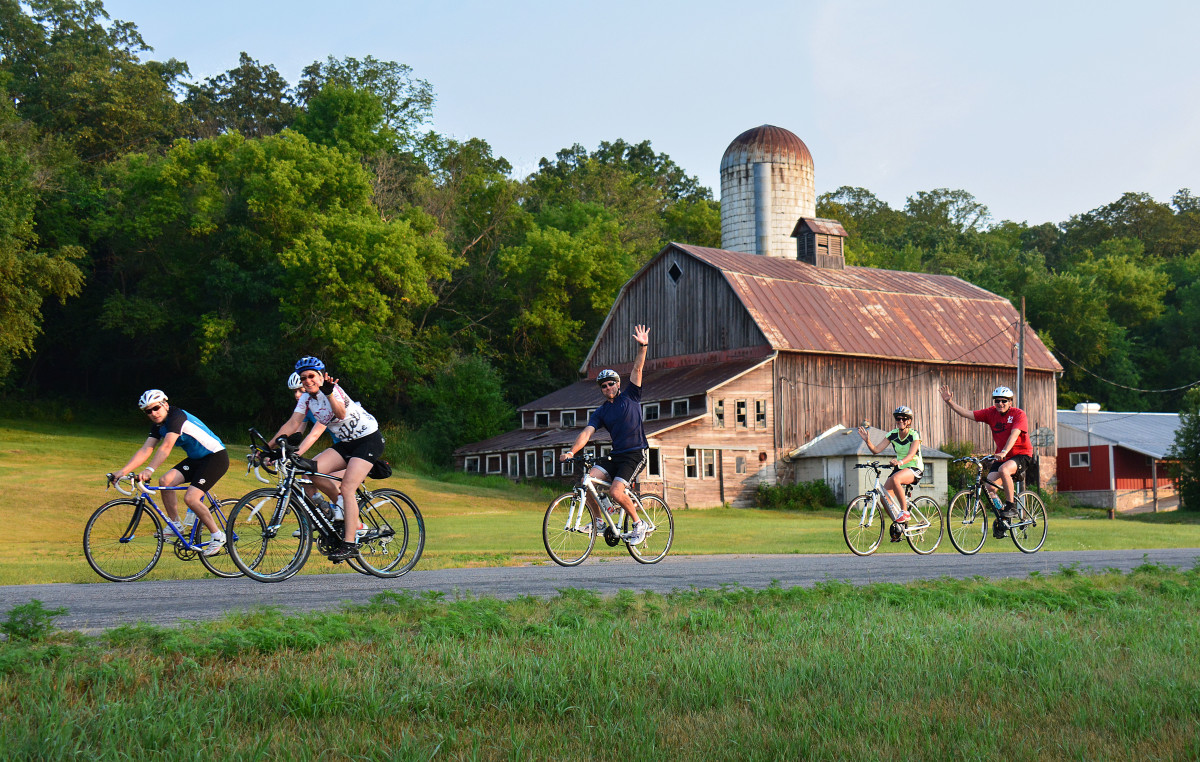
pixel 967 516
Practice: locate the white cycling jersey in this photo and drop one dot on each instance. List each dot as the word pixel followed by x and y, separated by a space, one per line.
pixel 357 423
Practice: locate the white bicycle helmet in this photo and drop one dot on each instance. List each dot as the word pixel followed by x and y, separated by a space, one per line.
pixel 1003 391
pixel 608 375
pixel 903 410
pixel 294 381
pixel 151 397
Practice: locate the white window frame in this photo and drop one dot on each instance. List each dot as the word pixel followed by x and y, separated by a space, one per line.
pixel 675 413
pixel 468 462
pixel 646 408
pixel 568 466
pixel 1081 459
pixel 741 419
pixel 541 419
pixel 547 460
pixel 487 462
pixel 605 450
pixel 760 414
pixel 718 414
pixel 514 464
pixel 562 419
pixel 708 462
pixel 531 463
pixel 691 468
pixel 654 462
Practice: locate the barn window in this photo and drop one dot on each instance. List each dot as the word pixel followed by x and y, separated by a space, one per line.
pixel 471 464
pixel 541 419
pixel 568 466
pixel 567 419
pixel 650 411
pixel 514 464
pixel 719 414
pixel 741 414
pixel 679 408
pixel 760 414
pixel 740 464
pixel 547 462
pixel 605 450
pixel 493 464
pixel 654 462
pixel 689 461
pixel 1081 460
pixel 531 463
pixel 710 462
pixel 675 273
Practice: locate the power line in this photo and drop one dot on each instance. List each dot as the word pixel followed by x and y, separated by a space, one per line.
pixel 1123 386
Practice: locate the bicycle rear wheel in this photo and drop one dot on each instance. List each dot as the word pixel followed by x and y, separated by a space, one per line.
pixel 222 563
pixel 862 526
pixel 395 534
pixel 927 514
pixel 1030 532
pixel 968 522
pixel 566 530
pixel 123 540
pixel 653 510
pixel 268 542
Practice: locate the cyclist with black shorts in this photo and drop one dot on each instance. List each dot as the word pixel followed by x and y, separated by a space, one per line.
pixel 206 462
pixel 1014 451
pixel 621 416
pixel 907 466
pixel 359 444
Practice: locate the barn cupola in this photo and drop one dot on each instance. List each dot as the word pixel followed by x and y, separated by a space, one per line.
pixel 819 242
pixel 766 185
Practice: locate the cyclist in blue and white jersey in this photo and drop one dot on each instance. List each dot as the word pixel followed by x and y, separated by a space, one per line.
pixel 621 415
pixel 206 462
pixel 359 447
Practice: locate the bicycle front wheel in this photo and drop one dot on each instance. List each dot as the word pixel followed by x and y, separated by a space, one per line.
pixel 659 536
pixel 1030 531
pixel 222 563
pixel 268 541
pixel 395 534
pixel 967 518
pixel 924 532
pixel 123 540
pixel 567 530
pixel 862 526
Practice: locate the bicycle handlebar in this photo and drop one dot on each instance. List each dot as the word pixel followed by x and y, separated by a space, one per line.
pixel 115 481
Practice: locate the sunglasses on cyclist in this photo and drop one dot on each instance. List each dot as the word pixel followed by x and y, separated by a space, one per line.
pixel 607 384
pixel 902 417
pixel 998 400
pixel 154 409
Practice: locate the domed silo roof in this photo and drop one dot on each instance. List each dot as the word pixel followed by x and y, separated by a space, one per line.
pixel 766 143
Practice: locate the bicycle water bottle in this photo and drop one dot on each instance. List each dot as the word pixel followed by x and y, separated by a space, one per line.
pixel 338 515
pixel 996 502
pixel 607 504
pixel 189 519
pixel 891 507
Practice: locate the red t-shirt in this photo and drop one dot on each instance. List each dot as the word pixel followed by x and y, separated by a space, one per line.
pixel 1002 425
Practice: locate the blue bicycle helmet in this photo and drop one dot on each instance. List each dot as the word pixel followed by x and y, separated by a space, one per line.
pixel 309 363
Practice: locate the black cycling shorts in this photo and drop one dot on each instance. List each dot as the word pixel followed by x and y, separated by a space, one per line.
pixel 625 466
pixel 368 448
pixel 1023 463
pixel 204 472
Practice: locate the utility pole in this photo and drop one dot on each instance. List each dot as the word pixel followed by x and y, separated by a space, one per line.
pixel 1021 359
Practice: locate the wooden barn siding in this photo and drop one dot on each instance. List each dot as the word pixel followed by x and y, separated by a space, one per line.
pixel 698 314
pixel 816 392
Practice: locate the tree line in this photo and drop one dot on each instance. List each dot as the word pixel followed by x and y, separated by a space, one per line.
pixel 199 235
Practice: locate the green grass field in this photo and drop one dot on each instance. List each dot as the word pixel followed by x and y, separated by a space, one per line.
pixel 1066 666
pixel 51 479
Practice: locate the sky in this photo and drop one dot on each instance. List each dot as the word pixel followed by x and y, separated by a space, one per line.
pixel 1042 110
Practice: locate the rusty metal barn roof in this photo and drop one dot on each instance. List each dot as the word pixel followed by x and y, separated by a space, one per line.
pixel 819 225
pixel 657 385
pixel 874 313
pixel 765 143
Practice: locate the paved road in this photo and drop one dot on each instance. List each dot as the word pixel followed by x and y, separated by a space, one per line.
pixel 95 607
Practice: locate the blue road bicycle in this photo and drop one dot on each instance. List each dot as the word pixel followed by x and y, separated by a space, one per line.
pixel 124 538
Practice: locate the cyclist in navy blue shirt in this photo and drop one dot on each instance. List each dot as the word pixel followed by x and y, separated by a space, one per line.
pixel 206 461
pixel 621 416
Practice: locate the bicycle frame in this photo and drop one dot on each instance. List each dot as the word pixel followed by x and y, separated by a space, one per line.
pixel 587 486
pixel 877 496
pixel 145 497
pixel 981 496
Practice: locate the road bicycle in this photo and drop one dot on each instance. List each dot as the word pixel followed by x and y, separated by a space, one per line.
pixel 567 529
pixel 968 514
pixel 862 526
pixel 278 526
pixel 123 540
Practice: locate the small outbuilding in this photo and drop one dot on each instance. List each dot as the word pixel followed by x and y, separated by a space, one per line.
pixel 1116 460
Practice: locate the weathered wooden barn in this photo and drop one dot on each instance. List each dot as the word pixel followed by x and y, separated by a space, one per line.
pixel 752 356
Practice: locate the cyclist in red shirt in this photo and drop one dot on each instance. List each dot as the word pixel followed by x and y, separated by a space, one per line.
pixel 1014 451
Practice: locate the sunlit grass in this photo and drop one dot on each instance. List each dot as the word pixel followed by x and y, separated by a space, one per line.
pixel 51 480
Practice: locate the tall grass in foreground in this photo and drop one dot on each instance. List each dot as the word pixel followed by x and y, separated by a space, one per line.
pixel 1069 666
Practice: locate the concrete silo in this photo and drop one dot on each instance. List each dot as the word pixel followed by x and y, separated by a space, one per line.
pixel 766 187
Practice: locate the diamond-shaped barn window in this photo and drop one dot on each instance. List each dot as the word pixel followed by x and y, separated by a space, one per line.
pixel 675 273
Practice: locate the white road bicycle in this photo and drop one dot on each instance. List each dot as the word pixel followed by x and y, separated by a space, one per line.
pixel 862 526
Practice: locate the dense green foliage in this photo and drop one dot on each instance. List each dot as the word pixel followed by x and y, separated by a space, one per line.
pixel 808 496
pixel 1186 453
pixel 1070 665
pixel 198 235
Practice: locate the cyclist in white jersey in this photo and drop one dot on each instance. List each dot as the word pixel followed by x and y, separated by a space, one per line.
pixel 358 448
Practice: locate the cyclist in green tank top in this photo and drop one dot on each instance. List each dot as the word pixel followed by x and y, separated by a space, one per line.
pixel 908 464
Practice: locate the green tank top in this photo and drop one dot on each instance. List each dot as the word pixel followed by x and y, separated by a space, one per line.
pixel 903 445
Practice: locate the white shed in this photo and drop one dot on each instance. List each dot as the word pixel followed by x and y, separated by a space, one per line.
pixel 833 454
